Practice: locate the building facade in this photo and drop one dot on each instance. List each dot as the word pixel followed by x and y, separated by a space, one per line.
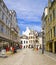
pixel 8 26
pixel 24 41
pixel 49 17
pixel 32 37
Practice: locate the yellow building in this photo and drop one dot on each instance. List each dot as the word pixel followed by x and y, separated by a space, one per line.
pixel 49 18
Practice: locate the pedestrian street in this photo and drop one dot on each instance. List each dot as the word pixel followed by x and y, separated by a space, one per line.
pixel 27 57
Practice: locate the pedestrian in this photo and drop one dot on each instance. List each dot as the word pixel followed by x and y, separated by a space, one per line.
pixel 7 48
pixel 11 48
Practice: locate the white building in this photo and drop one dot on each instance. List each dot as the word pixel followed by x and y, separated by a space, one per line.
pixel 32 37
pixel 24 41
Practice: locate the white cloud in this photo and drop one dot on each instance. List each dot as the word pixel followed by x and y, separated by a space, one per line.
pixel 34 27
pixel 27 9
pixel 26 32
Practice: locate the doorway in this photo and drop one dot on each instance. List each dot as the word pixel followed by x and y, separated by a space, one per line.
pixel 50 47
pixel 55 46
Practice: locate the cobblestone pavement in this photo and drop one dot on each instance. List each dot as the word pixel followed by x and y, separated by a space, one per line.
pixel 27 57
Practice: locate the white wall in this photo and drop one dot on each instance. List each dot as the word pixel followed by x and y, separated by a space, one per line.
pixel 24 44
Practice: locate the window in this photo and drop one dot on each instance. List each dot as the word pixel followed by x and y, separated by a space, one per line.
pixel 0 9
pixel 54 28
pixel 2 16
pixel 31 37
pixel 53 14
pixel 8 32
pixel 51 32
pixel 31 41
pixel 54 31
pixel 21 42
pixel 36 36
pixel 36 41
pixel 0 12
pixel 6 20
pixel 2 28
pixel 50 18
pixel 24 42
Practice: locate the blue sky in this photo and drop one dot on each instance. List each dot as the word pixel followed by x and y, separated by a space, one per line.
pixel 29 12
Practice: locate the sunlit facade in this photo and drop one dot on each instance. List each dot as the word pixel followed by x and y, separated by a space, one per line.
pixel 33 39
pixel 50 26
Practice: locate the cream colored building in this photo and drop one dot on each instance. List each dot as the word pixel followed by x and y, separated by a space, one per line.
pixel 49 17
pixel 24 41
pixel 8 26
pixel 32 37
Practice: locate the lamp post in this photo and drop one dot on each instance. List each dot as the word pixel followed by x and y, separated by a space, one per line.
pixel 42 41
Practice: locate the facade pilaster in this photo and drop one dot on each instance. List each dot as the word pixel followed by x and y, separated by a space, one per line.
pixel 53 47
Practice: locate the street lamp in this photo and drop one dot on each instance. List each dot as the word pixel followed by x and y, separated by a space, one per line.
pixel 42 41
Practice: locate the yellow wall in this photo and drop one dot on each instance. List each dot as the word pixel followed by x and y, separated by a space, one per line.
pixel 49 26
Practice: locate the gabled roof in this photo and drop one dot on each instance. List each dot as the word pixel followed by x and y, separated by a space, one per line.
pixel 23 37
